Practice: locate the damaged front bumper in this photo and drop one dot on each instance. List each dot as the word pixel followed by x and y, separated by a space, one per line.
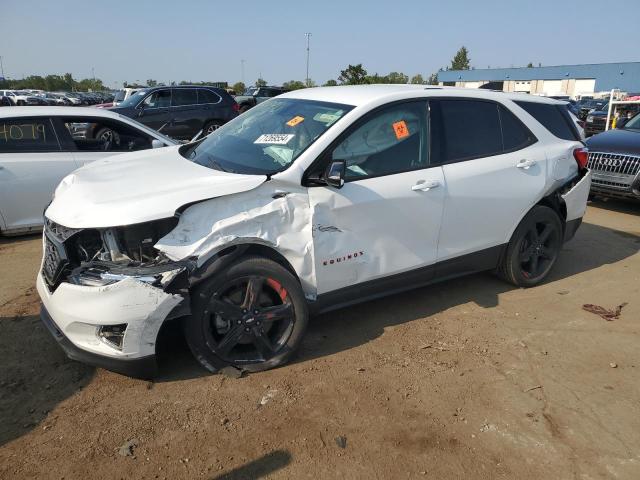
pixel 114 326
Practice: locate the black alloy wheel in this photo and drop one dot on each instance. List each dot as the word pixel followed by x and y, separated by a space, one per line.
pixel 533 248
pixel 539 248
pixel 249 321
pixel 251 316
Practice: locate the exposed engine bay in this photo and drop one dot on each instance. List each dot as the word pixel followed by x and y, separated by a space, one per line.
pixel 100 256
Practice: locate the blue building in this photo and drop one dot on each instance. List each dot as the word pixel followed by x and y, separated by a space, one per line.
pixel 571 80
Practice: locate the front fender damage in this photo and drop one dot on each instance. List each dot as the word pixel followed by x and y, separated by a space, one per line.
pixel 279 218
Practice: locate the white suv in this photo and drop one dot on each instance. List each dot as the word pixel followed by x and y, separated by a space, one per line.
pixel 313 200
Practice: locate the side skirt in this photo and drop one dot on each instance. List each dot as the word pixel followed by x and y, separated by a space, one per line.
pixel 482 260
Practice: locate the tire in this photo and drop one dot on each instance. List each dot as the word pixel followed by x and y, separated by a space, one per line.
pixel 244 108
pixel 533 248
pixel 211 127
pixel 231 326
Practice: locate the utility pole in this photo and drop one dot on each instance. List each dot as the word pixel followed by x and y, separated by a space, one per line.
pixel 308 35
pixel 242 71
pixel 1 68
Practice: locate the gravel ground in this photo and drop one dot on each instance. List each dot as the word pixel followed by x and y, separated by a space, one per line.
pixel 468 379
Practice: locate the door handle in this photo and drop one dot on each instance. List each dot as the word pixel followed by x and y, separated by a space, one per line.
pixel 525 164
pixel 425 186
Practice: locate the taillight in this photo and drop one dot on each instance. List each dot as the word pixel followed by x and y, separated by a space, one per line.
pixel 581 155
pixel 236 107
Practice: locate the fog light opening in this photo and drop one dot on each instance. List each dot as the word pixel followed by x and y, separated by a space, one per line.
pixel 113 335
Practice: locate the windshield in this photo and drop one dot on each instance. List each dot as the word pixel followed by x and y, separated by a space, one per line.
pixel 119 96
pixel 634 123
pixel 268 138
pixel 250 92
pixel 133 100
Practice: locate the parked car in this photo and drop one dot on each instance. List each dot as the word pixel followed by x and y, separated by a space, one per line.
pixel 573 114
pixel 317 199
pixel 180 112
pixel 20 98
pixel 39 146
pixel 587 105
pixel 255 95
pixel 597 119
pixel 73 97
pixel 614 158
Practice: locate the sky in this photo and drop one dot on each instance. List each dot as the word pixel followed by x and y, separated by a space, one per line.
pixel 198 40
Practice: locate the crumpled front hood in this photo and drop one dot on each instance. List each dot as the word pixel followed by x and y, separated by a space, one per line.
pixel 139 187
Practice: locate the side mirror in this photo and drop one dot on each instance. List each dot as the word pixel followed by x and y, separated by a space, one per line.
pixel 334 175
pixel 155 143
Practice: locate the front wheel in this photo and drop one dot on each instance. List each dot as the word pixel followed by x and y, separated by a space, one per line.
pixel 211 127
pixel 533 248
pixel 251 316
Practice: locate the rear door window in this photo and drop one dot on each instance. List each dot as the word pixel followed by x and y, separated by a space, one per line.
pixel 465 129
pixel 23 135
pixel 554 118
pixel 184 96
pixel 515 135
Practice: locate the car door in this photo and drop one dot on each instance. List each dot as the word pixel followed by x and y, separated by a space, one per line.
pixel 31 166
pixel 495 171
pixel 186 114
pixel 154 111
pixel 386 218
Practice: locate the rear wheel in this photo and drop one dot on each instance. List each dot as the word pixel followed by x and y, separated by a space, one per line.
pixel 533 249
pixel 251 316
pixel 244 108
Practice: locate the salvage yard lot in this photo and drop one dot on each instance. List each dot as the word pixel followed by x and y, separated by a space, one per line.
pixel 471 378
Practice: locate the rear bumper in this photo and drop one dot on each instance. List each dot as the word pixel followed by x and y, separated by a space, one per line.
pixel 141 367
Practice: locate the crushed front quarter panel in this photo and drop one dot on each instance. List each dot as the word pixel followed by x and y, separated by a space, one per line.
pixel 283 223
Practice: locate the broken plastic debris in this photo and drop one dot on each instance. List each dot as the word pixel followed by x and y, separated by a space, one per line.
pixel 605 313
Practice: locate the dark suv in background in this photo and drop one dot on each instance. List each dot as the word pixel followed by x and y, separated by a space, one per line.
pixel 180 112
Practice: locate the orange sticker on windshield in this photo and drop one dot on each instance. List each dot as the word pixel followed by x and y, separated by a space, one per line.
pixel 295 121
pixel 401 129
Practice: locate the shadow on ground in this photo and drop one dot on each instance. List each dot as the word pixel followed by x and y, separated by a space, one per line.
pixel 258 468
pixel 593 247
pixel 35 375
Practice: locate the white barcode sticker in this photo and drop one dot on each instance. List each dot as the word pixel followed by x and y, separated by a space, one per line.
pixel 275 138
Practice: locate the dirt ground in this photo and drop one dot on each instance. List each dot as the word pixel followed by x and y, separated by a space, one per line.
pixel 469 379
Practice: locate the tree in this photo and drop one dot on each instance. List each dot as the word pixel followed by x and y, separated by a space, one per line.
pixel 294 85
pixel 461 60
pixel 397 78
pixel 417 80
pixel 239 88
pixel 433 79
pixel 261 82
pixel 530 65
pixel 375 78
pixel 152 83
pixel 330 83
pixel 353 75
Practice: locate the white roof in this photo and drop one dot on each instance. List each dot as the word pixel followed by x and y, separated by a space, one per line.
pixel 358 95
pixel 27 111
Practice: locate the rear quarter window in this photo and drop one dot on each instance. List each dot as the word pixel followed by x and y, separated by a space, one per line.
pixel 554 118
